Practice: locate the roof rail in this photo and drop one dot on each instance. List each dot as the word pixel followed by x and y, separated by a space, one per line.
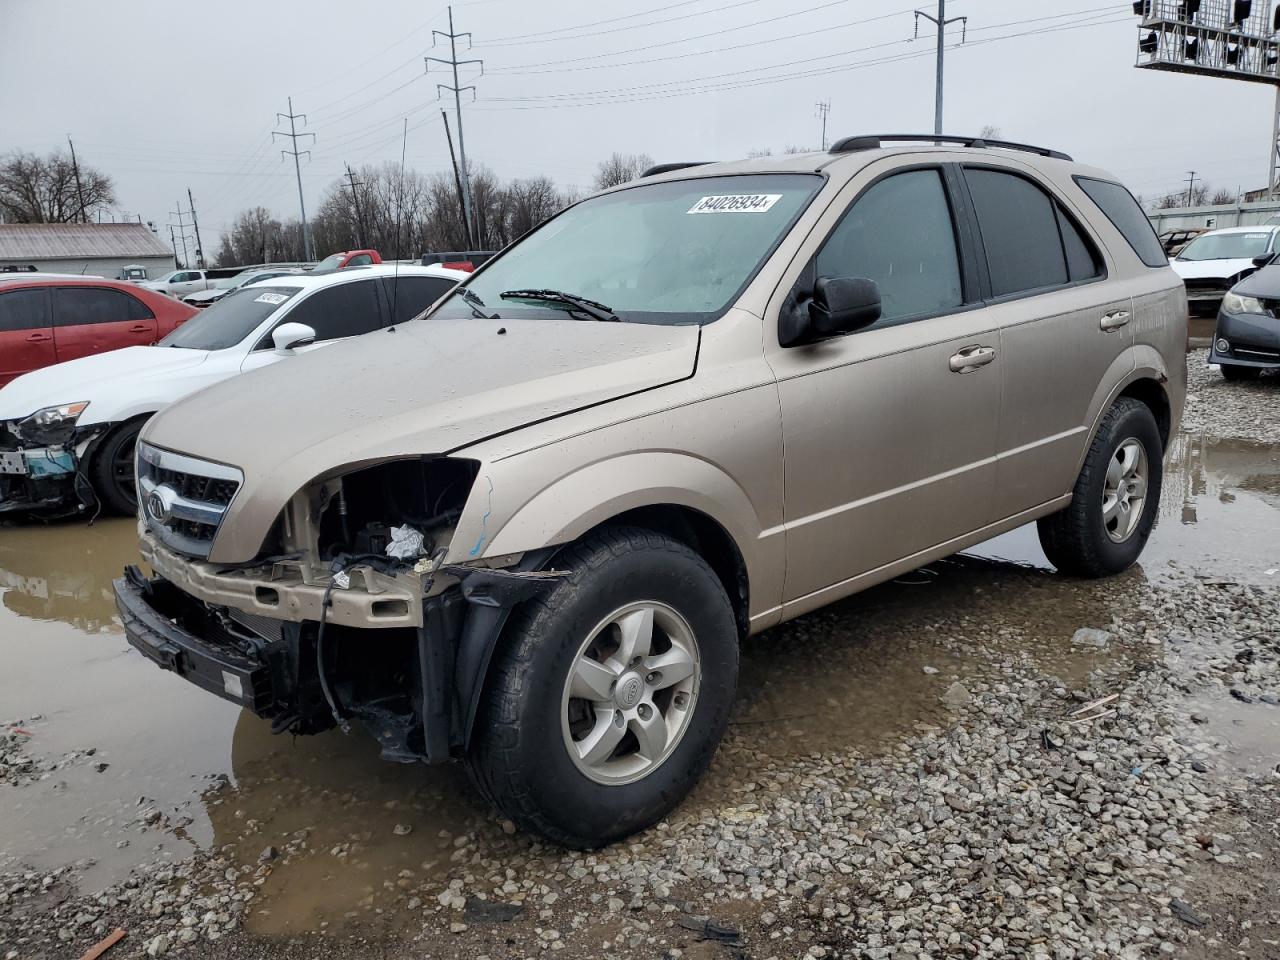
pixel 668 167
pixel 875 141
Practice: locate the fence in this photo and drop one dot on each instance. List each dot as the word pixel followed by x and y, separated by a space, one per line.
pixel 1215 218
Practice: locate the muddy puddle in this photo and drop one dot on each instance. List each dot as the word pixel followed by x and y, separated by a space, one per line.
pixel 349 828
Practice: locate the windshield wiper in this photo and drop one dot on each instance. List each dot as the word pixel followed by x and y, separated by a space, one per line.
pixel 473 301
pixel 596 311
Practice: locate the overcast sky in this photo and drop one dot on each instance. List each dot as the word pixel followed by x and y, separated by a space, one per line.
pixel 166 96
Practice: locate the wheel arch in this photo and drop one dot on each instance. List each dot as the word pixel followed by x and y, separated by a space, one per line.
pixel 1146 381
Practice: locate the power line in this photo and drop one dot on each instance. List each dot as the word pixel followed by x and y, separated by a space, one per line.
pixel 293 136
pixel 520 69
pixel 700 87
pixel 639 26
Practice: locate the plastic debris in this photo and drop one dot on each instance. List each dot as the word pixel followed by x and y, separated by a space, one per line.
pixel 105 944
pixel 406 543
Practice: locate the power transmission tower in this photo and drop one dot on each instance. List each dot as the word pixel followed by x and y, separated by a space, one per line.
pixel 293 136
pixel 453 63
pixel 363 239
pixel 824 108
pixel 1191 185
pixel 75 168
pixel 182 232
pixel 191 205
pixel 941 22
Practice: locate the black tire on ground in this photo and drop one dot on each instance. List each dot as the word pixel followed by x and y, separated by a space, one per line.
pixel 518 757
pixel 1075 539
pixel 111 470
pixel 1232 372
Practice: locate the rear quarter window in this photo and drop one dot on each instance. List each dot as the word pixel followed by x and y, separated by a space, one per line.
pixel 1119 206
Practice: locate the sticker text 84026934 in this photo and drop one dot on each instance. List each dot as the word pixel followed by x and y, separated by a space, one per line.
pixel 736 203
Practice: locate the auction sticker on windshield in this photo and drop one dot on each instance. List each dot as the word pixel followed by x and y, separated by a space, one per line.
pixel 736 203
pixel 273 298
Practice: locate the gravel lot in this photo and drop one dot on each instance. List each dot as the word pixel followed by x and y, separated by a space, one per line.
pixel 980 760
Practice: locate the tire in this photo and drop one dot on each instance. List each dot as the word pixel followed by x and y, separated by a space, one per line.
pixel 1232 372
pixel 522 751
pixel 111 470
pixel 1077 540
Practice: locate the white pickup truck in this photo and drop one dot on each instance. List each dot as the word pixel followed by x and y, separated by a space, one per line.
pixel 178 283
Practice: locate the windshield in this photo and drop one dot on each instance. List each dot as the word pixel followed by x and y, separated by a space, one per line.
pixel 229 320
pixel 671 253
pixel 230 283
pixel 1227 246
pixel 329 263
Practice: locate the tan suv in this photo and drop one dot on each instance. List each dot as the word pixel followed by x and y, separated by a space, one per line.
pixel 529 529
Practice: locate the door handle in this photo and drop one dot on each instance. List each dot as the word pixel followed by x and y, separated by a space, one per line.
pixel 1114 320
pixel 38 338
pixel 971 358
pixel 139 329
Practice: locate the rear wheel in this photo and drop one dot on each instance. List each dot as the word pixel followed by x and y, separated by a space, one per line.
pixel 1232 372
pixel 609 695
pixel 112 470
pixel 1115 499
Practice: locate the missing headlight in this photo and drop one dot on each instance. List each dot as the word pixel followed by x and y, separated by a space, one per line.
pixel 425 494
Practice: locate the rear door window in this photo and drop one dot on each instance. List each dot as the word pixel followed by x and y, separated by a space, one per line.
pixel 346 310
pixel 1083 260
pixel 1019 224
pixel 900 234
pixel 1123 211
pixel 77 306
pixel 24 310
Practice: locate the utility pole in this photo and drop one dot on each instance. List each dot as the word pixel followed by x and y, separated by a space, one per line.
pixel 75 168
pixel 457 180
pixel 941 22
pixel 293 136
pixel 824 108
pixel 1191 184
pixel 363 239
pixel 182 232
pixel 453 63
pixel 191 204
pixel 174 243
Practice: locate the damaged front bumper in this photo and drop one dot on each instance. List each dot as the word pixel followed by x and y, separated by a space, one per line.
pixel 415 687
pixel 43 479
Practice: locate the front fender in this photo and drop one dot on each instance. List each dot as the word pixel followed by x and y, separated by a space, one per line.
pixel 504 516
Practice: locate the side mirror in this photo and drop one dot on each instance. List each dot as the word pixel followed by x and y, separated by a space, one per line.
pixel 842 305
pixel 1263 260
pixel 288 336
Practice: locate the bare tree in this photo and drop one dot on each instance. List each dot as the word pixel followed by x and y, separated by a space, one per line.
pixel 36 189
pixel 990 132
pixel 1221 198
pixel 621 168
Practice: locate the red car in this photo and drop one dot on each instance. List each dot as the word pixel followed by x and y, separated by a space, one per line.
pixel 45 320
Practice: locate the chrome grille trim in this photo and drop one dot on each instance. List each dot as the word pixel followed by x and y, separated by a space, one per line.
pixel 183 499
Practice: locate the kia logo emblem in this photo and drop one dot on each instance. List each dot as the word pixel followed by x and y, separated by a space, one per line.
pixel 157 507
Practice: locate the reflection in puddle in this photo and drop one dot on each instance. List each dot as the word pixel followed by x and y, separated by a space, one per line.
pixel 851 677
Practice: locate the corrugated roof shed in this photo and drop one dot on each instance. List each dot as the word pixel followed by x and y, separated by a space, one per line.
pixel 61 241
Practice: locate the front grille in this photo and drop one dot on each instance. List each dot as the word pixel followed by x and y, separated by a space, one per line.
pixel 183 499
pixel 1207 285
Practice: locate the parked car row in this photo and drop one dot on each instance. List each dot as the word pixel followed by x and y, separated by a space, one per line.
pixel 67 432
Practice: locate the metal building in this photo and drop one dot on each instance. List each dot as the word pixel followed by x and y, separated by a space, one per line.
pixel 100 249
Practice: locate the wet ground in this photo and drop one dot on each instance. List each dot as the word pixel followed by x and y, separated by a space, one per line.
pixel 209 775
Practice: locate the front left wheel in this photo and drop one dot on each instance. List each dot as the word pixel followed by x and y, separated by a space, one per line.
pixel 609 694
pixel 112 470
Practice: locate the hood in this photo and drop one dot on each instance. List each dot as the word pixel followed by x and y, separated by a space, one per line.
pixel 91 378
pixel 1211 269
pixel 203 295
pixel 430 386
pixel 1264 284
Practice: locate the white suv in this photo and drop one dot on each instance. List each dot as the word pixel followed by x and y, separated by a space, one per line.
pixel 92 409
